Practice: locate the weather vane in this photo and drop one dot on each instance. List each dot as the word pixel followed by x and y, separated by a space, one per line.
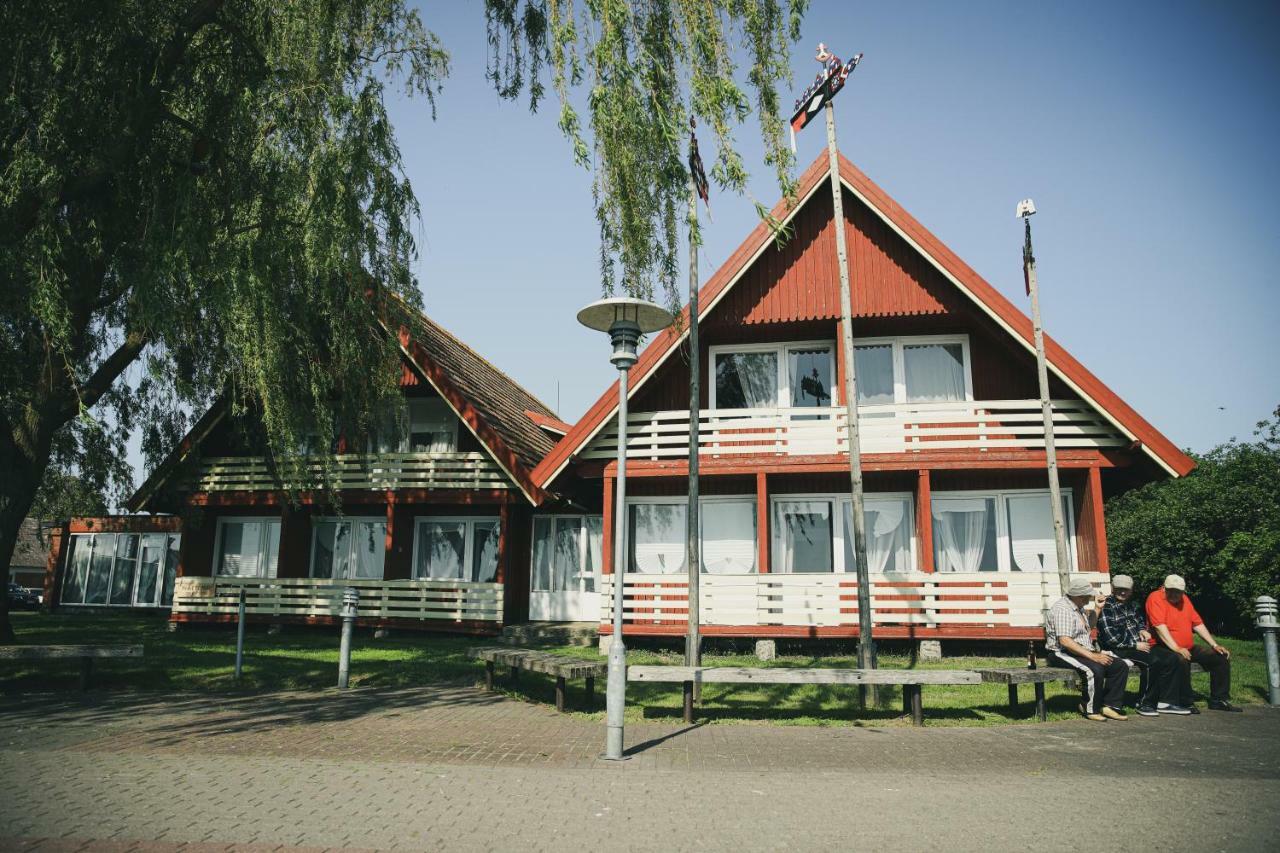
pixel 823 88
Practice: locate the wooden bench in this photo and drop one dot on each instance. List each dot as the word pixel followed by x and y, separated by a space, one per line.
pixel 86 654
pixel 1013 676
pixel 559 666
pixel 912 681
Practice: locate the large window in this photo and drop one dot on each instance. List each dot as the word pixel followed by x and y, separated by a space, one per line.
pixel 344 548
pixel 913 370
pixel 416 425
pixel 658 535
pixel 121 569
pixel 456 549
pixel 248 547
pixel 807 538
pixel 997 531
pixel 771 375
pixel 566 553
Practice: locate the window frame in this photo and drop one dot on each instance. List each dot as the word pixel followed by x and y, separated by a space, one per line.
pixel 783 378
pixel 403 412
pixel 168 540
pixel 1004 542
pixel 264 558
pixel 837 500
pixel 468 545
pixel 683 500
pixel 584 546
pixel 899 343
pixel 351 543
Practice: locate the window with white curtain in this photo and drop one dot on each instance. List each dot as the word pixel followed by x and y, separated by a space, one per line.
pixel 728 545
pixel 659 538
pixel 997 531
pixel 345 548
pixel 889 522
pixel 914 369
pixel 121 569
pixel 416 425
pixel 248 547
pixel 659 535
pixel 766 376
pixel 456 549
pixel 566 553
pixel 803 536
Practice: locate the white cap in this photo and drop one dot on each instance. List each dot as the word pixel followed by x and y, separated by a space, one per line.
pixel 1121 582
pixel 1175 582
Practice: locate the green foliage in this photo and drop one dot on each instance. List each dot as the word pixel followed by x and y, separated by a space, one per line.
pixel 196 198
pixel 65 494
pixel 1218 527
pixel 646 69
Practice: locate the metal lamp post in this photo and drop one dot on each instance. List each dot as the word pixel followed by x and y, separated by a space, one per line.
pixel 1270 624
pixel 625 319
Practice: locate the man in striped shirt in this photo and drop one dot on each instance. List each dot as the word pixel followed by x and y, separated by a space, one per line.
pixel 1069 644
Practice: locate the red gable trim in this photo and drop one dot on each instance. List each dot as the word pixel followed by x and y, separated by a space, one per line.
pixel 986 296
pixel 549 424
pixel 469 416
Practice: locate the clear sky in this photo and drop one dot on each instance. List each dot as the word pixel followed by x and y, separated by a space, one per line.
pixel 1146 133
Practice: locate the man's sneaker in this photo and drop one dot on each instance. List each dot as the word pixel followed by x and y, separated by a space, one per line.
pixel 1147 710
pixel 1224 705
pixel 1097 718
pixel 1193 709
pixel 1112 714
pixel 1167 708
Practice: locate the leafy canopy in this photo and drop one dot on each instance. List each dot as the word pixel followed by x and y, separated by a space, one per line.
pixel 645 69
pixel 1219 527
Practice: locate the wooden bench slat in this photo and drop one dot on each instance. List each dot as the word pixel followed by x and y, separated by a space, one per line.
pixel 67 651
pixel 543 662
pixel 791 675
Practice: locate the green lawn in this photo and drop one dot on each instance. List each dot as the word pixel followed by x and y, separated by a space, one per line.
pixel 202 659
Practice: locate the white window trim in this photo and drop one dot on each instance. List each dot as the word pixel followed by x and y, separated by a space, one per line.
pixel 160 569
pixel 468 542
pixel 262 545
pixel 74 540
pixel 683 500
pixel 584 540
pixel 784 376
pixel 899 342
pixel 837 501
pixel 1003 544
pixel 351 540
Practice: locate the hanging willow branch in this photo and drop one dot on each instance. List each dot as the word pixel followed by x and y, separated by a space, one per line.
pixel 642 69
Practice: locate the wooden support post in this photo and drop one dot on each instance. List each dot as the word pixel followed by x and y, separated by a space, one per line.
pixel 591 692
pixel 606 532
pixel 86 672
pixel 688 701
pixel 1042 713
pixel 762 522
pixel 924 521
pixel 560 693
pixel 488 675
pixel 1013 696
pixel 917 704
pixel 1099 520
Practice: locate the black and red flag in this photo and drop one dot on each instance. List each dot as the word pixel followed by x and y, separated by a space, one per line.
pixel 696 171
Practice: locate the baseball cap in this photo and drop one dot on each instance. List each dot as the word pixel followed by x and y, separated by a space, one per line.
pixel 1175 582
pixel 1080 588
pixel 1121 582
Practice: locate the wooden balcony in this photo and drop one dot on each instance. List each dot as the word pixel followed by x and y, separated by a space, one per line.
pixel 431 601
pixel 983 425
pixel 913 604
pixel 357 471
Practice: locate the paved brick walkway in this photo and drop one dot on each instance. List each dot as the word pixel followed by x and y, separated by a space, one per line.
pixel 455 768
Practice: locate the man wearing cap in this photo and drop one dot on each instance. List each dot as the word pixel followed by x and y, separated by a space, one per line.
pixel 1122 630
pixel 1175 622
pixel 1069 644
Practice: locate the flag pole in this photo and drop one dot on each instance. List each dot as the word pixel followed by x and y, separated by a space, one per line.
pixel 693 558
pixel 1025 210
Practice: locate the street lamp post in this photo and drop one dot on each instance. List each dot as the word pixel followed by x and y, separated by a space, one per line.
pixel 625 319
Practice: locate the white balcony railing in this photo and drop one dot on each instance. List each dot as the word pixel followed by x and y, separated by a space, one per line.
pixel 899 428
pixel 977 600
pixel 376 471
pixel 434 600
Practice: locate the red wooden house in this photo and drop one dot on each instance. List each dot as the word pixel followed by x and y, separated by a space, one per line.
pixel 958 517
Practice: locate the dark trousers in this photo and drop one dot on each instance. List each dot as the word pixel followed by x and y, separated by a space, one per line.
pixel 1142 660
pixel 1175 674
pixel 1103 685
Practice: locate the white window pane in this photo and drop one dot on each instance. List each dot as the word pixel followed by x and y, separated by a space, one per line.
pixel 964 534
pixel 126 567
pixel 330 549
pixel 658 538
pixel 484 551
pixel 1031 541
pixel 811 376
pixel 104 547
pixel 369 550
pixel 888 525
pixel 934 372
pixel 170 569
pixel 873 368
pixel 441 550
pixel 77 572
pixel 802 536
pixel 746 380
pixel 567 562
pixel 241 549
pixel 149 569
pixel 728 537
pixel 595 541
pixel 271 555
pixel 432 427
pixel 542 552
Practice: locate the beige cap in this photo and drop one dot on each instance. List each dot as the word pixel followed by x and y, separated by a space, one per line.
pixel 1121 582
pixel 1175 582
pixel 1079 588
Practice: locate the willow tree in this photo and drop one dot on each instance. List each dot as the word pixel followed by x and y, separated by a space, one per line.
pixel 642 70
pixel 197 197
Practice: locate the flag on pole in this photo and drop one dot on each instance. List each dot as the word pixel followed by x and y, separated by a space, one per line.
pixel 696 171
pixel 823 88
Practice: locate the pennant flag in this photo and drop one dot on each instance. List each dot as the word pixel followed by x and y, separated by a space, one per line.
pixel 823 88
pixel 696 171
pixel 1027 260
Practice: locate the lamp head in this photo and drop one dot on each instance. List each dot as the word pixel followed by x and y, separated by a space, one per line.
pixel 625 319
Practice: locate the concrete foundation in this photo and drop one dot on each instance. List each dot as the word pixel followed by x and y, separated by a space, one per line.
pixel 605 640
pixel 766 649
pixel 930 650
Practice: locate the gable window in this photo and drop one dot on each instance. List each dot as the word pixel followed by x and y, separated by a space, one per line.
pixel 771 375
pixel 343 548
pixel 998 531
pixel 456 549
pixel 416 425
pixel 248 547
pixel 933 369
pixel 659 538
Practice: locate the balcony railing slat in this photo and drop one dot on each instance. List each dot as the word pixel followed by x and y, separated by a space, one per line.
pixel 356 471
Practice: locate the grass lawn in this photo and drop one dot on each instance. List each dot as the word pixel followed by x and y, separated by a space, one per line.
pixel 203 659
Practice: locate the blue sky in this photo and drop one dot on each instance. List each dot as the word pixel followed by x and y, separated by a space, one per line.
pixel 1145 133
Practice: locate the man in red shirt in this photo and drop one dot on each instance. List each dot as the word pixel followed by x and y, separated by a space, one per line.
pixel 1175 622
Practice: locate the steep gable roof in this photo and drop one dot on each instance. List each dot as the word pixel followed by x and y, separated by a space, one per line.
pixel 938 256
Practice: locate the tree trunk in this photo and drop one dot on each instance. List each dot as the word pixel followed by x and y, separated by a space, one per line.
pixel 18 487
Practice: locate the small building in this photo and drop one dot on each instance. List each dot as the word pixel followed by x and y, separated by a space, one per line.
pixel 30 556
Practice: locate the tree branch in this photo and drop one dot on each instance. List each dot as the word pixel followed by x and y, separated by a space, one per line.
pixel 110 369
